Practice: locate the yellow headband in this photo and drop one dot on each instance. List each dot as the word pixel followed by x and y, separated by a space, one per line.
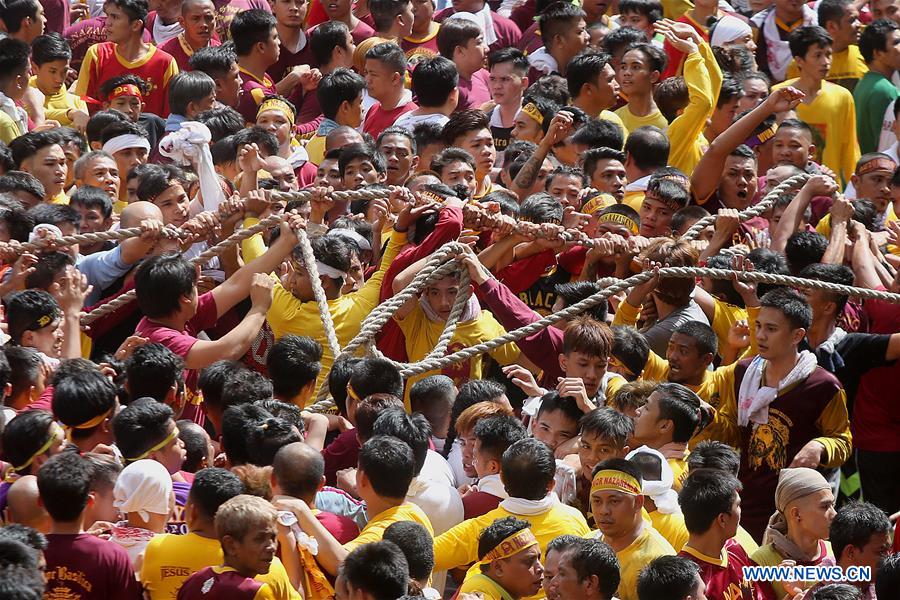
pixel 615 362
pixel 87 424
pixel 880 163
pixel 597 203
pixel 352 393
pixel 620 219
pixel 55 436
pixel 615 481
pixel 429 196
pixel 159 446
pixel 532 111
pixel 279 105
pixel 517 542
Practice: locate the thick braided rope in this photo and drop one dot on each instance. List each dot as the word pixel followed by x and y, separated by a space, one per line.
pixel 309 261
pixel 754 211
pixel 335 195
pixel 623 284
pixel 18 248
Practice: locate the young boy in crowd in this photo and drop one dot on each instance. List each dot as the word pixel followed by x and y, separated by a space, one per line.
pixel 78 562
pixel 493 435
pixel 711 503
pixel 126 52
pixel 509 559
pixel 385 73
pixel 247 529
pixel 360 165
pixel 462 41
pixel 827 107
pixel 641 67
pixel 434 82
pixel 470 130
pixel 51 55
pixel 340 95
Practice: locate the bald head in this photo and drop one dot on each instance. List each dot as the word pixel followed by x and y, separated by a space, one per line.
pixel 341 136
pixel 136 212
pixel 23 505
pixel 299 471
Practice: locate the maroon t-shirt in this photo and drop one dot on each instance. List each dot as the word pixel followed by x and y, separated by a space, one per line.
pixel 181 52
pixel 85 567
pixel 287 60
pixel 378 119
pixel 479 503
pixel 214 583
pixel 342 528
pixel 475 91
pixel 342 453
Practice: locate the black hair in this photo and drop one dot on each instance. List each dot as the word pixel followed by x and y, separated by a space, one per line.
pixel 152 370
pixel 246 385
pixel 376 376
pixel 431 390
pixel 792 305
pixel 455 32
pixel 32 538
pixel 25 311
pixel 389 54
pixel 414 430
pixel 156 179
pixel 107 86
pixel 527 469
pixel 731 89
pixel 135 10
pixel 385 11
pixel 222 121
pixel 48 266
pixel 656 58
pixel 117 128
pixel 445 157
pixel 194 441
pixel 13 12
pixel 497 433
pixel 836 591
pixel 855 524
pixel 875 37
pixel 25 368
pixel 463 122
pixel 414 540
pixel 617 40
pixel 427 133
pixel 141 425
pixel 804 38
pixel 606 423
pixel 287 412
pixel 470 393
pixel 187 87
pixel 23 436
pixel 651 9
pixel 593 156
pixel 89 197
pixel 593 557
pixel 839 274
pixel 14 55
pixel 668 578
pixel 20 181
pixel 682 406
pixel 352 152
pixel 584 69
pixel 81 397
pixel 620 464
pixel 712 454
pixel 212 488
pixel 338 377
pixel 704 495
pixel 293 362
pixel 54 214
pixel 267 438
pixel 558 18
pixel 161 281
pixel 325 37
pixel 498 531
pixel 100 120
pixel 50 47
pixel 380 569
pixel 212 381
pixel 250 27
pixel 339 86
pixel 574 292
pixel 703 335
pixel 541 208
pixel 215 61
pixel 237 422
pixel 64 482
pixel 564 542
pixel 388 464
pixel 433 80
pixel 509 55
pixel 552 402
pixel 392 130
pixel 552 87
pixel 804 248
pixel 599 133
pixel 631 348
pixel 648 147
pixel 887 577
pixel 27 145
pixel 832 10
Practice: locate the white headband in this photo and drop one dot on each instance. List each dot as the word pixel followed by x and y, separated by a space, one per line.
pixel 660 491
pixel 329 271
pixel 143 487
pixel 727 30
pixel 124 142
pixel 350 235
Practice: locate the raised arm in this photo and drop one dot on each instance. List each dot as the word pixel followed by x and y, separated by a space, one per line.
pixel 560 127
pixel 818 185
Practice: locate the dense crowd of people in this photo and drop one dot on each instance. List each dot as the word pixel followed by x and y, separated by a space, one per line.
pixel 179 418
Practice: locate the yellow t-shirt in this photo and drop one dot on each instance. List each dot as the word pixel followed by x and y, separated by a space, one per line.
pixel 847 68
pixel 703 78
pixel 670 527
pixel 459 546
pixel 422 335
pixel 170 559
pixel 58 105
pixel 649 544
pixel 374 529
pixel 608 115
pixel 632 121
pixel 832 116
pixel 746 541
pixel 672 9
pixel 487 587
pixel 315 148
pixel 60 198
pixel 9 129
pixel 768 556
pixel 634 199
pixel 724 316
pixel 289 315
pixel 679 468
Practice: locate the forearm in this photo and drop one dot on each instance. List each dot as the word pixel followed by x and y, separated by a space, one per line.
pixel 864 267
pixel 287 85
pixel 71 335
pixel 834 254
pixel 230 346
pixel 237 286
pixel 790 220
pixel 528 175
pixel 499 255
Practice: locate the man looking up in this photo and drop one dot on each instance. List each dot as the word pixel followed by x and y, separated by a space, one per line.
pixel 509 558
pixel 616 504
pixel 125 52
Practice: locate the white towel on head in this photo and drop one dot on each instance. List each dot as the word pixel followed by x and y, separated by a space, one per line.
pixel 729 29
pixel 483 19
pixel 144 487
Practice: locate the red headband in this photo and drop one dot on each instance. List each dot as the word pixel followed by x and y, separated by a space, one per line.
pixel 128 89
